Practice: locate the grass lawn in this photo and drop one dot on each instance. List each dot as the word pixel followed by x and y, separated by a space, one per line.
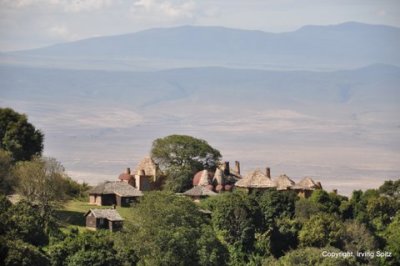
pixel 72 213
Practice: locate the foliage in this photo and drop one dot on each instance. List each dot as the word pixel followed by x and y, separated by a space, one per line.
pixel 310 256
pixel 90 248
pixel 232 219
pixel 7 182
pixel 210 250
pixel 24 222
pixel 305 208
pixel 392 237
pixel 179 179
pixel 390 188
pixel 42 181
pixel 18 136
pixel 380 212
pixel 180 156
pixel 322 230
pixel 276 205
pixel 73 189
pixel 166 228
pixel 284 236
pixel 18 253
pixel 328 203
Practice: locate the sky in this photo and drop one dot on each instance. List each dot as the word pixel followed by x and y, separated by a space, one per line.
pixel 26 24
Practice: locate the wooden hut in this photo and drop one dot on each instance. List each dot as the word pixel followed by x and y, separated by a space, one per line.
pixel 103 219
pixel 114 193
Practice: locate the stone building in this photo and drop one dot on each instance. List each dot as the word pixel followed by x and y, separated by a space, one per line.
pixel 147 176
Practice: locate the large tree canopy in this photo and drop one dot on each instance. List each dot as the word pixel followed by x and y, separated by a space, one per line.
pixel 180 156
pixel 184 151
pixel 18 136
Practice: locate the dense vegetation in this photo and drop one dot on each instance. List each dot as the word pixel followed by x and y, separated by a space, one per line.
pixel 262 228
pixel 180 156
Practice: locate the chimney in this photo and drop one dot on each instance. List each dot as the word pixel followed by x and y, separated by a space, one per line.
pixel 237 167
pixel 128 171
pixel 226 169
pixel 268 172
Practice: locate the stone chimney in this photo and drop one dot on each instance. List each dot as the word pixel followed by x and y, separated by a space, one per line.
pixel 128 171
pixel 227 171
pixel 237 167
pixel 268 172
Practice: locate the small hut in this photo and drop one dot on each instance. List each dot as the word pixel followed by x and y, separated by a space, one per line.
pixel 256 180
pixel 103 219
pixel 306 186
pixel 114 193
pixel 283 182
pixel 199 192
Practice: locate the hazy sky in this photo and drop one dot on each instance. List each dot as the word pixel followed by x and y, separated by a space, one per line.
pixel 34 23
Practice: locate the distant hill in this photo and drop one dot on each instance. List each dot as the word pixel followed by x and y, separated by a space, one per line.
pixel 311 47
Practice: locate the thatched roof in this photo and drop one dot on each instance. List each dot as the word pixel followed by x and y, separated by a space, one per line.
pixel 149 167
pixel 118 187
pixel 307 183
pixel 255 179
pixel 109 214
pixel 199 191
pixel 283 182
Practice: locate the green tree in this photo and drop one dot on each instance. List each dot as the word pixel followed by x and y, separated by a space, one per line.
pixel 24 222
pixel 210 250
pixel 326 202
pixel 357 238
pixel 392 237
pixel 232 219
pixel 168 230
pixel 15 252
pixel 390 188
pixel 276 205
pixel 305 208
pixel 380 212
pixel 89 248
pixel 311 256
pixel 18 136
pixel 180 156
pixel 321 230
pixel 7 181
pixel 41 181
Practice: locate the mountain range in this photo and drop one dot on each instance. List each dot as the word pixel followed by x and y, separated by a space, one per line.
pixel 346 45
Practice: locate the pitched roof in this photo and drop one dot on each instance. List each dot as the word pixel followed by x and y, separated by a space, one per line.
pixel 255 179
pixel 306 183
pixel 283 182
pixel 198 191
pixel 117 187
pixel 219 177
pixel 149 167
pixel 109 214
pixel 203 181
